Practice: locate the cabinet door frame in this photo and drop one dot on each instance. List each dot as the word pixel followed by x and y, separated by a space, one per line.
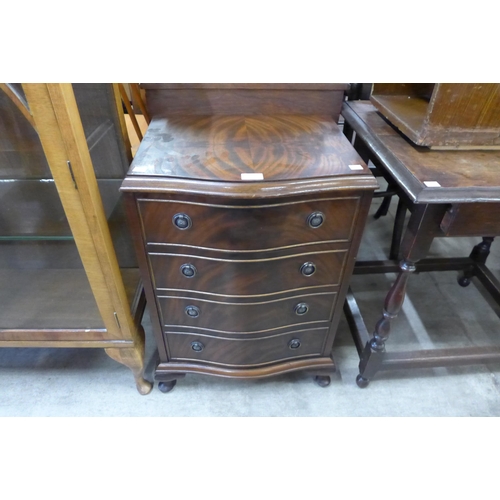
pixel 57 121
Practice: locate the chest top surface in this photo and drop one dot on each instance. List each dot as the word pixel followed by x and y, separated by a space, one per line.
pixel 222 148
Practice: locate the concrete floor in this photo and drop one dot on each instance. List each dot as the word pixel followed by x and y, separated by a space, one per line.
pixel 86 382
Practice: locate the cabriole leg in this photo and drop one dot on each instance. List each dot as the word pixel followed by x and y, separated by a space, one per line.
pixel 133 358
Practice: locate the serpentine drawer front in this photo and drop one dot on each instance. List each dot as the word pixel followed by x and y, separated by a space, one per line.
pixel 255 314
pixel 248 228
pixel 247 352
pixel 247 276
pixel 246 241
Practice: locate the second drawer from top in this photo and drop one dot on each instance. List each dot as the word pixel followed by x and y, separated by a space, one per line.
pixel 240 277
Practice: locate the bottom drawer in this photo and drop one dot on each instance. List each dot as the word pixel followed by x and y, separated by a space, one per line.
pixel 246 352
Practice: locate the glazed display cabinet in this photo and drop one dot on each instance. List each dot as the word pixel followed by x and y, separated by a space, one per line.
pixel 68 273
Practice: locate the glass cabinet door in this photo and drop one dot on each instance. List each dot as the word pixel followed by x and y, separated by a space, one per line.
pixel 43 285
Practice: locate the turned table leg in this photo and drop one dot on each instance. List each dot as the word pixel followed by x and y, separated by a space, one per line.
pixel 373 354
pixel 397 231
pixel 422 227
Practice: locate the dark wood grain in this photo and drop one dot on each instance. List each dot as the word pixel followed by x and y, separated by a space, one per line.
pixel 230 334
pixel 463 220
pixel 422 90
pixel 248 228
pixel 245 254
pixel 263 314
pixel 466 169
pixel 249 352
pixel 169 370
pixel 464 176
pixel 247 239
pixel 249 86
pixel 249 99
pixel 135 225
pixel 224 147
pixel 407 113
pixel 250 192
pixel 247 277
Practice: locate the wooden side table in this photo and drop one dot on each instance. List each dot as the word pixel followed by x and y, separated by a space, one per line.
pixel 449 193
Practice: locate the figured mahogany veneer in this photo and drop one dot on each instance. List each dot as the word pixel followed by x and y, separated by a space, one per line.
pixel 247 352
pixel 268 258
pixel 183 99
pixel 259 315
pixel 247 277
pixel 221 148
pixel 233 227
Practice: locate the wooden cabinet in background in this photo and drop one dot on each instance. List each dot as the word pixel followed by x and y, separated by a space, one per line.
pixel 443 115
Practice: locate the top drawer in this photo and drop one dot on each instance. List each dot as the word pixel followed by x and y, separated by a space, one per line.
pixel 250 228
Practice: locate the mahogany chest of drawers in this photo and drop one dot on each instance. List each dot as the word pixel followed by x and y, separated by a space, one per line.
pixel 246 229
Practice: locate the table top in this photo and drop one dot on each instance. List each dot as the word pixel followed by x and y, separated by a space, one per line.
pixel 236 149
pixel 427 176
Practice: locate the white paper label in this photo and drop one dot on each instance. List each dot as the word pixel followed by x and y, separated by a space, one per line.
pixel 355 167
pixel 432 184
pixel 252 177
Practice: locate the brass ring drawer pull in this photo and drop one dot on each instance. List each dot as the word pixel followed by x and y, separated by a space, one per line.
pixel 308 269
pixel 192 311
pixel 301 309
pixel 182 221
pixel 316 219
pixel 188 270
